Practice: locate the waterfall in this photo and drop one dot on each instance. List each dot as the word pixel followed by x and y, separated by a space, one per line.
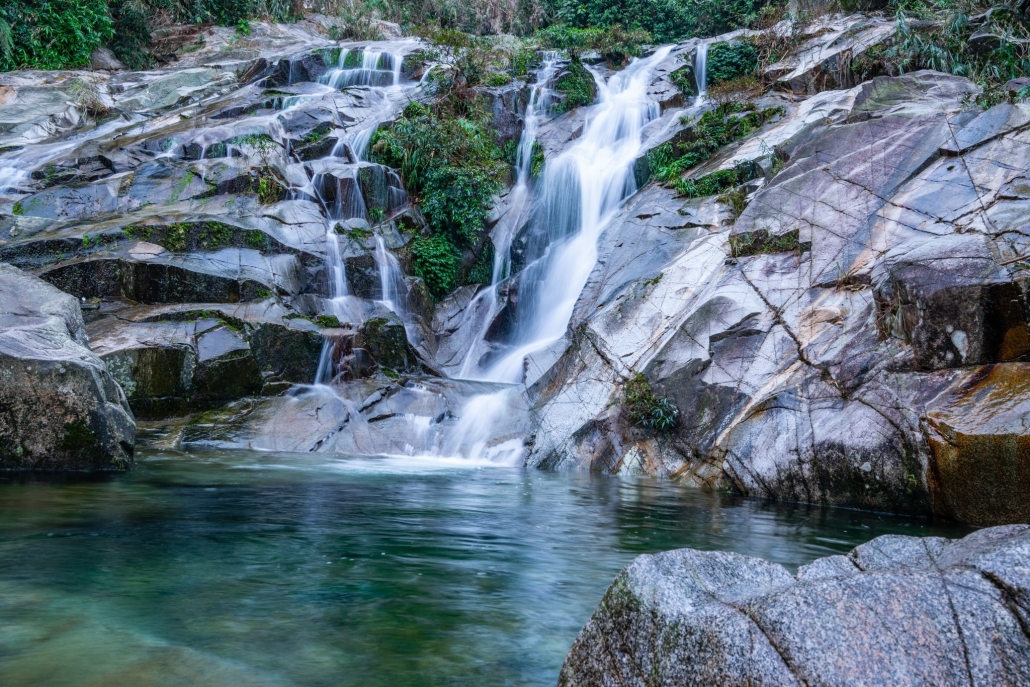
pixel 701 73
pixel 391 280
pixel 381 71
pixel 580 192
pixel 536 111
pixel 364 67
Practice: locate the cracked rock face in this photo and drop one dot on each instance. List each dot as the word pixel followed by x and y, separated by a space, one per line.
pixel 60 409
pixel 895 611
pixel 851 371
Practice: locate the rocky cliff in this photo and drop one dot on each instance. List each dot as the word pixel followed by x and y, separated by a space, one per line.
pixel 857 336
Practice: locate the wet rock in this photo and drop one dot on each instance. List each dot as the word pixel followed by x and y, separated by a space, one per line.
pixel 507 104
pixel 387 342
pixel 59 407
pixel 896 610
pixel 225 276
pixel 172 360
pixel 980 445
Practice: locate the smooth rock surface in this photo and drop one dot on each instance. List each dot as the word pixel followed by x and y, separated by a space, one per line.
pixel 895 611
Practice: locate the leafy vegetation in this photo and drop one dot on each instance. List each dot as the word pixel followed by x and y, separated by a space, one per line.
pixel 452 166
pixel 62 34
pixel 614 43
pixel 646 410
pixel 438 262
pixel 52 34
pixel 700 140
pixel 665 20
pixel 984 42
pixel 731 60
pixel 576 85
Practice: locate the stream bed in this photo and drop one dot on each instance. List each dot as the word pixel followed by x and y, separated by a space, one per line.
pixel 241 568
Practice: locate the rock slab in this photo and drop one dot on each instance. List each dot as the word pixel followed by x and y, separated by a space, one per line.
pixel 895 611
pixel 60 409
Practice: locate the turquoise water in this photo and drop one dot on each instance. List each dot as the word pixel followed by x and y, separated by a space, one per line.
pixel 262 569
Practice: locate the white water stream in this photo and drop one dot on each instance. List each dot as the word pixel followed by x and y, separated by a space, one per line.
pixel 380 70
pixel 701 74
pixel 580 191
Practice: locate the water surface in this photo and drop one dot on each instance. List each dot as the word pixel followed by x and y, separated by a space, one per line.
pixel 262 569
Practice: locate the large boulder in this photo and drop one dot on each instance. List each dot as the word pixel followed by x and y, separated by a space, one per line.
pixel 60 409
pixel 895 611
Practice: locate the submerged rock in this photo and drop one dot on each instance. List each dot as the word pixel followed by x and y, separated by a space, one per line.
pixel 896 610
pixel 60 409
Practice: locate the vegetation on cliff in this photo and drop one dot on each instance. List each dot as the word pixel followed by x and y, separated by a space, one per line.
pixel 451 165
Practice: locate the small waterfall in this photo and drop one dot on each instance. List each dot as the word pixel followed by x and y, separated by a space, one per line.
pixel 364 67
pixel 536 111
pixel 580 191
pixel 391 280
pixel 701 73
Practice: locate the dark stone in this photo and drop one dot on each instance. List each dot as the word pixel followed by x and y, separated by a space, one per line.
pixel 60 409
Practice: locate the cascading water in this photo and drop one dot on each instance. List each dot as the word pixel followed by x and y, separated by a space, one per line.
pixel 579 193
pixel 391 279
pixel 380 70
pixel 701 73
pixel 486 300
pixel 364 67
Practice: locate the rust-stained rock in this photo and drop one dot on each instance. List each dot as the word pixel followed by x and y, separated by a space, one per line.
pixel 979 435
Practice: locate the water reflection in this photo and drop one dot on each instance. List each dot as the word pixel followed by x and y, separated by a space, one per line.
pixel 264 569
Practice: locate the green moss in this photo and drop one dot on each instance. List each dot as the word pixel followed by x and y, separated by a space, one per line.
pixel 761 242
pixel 327 321
pixel 181 185
pixel 18 208
pixel 318 133
pixel 79 441
pixel 255 239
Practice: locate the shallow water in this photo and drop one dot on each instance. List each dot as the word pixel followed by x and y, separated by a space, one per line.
pixel 262 569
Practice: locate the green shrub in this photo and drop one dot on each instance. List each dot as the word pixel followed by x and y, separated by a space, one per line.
pixel 52 34
pixel 731 60
pixel 438 262
pixel 482 270
pixel 613 42
pixel 944 44
pixel 666 20
pixel 716 182
pixel 646 410
pixel 131 42
pixel 452 166
pixel 577 85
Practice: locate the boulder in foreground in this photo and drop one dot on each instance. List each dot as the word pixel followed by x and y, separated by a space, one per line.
pixel 60 409
pixel 895 611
